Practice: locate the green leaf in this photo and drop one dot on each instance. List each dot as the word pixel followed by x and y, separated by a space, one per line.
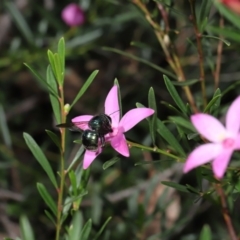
pixel 205 233
pixel 177 186
pixel 54 101
pixel 162 70
pixel 49 215
pixel 183 122
pixel 61 53
pixel 4 128
pixel 47 198
pixel 110 162
pixel 175 96
pixel 185 83
pixel 152 120
pixel 172 108
pixel 226 33
pixel 26 229
pixel 20 21
pixel 54 138
pixel 73 181
pixel 58 69
pixel 42 80
pixel 214 109
pixel 86 230
pixel 77 156
pixel 51 61
pixel 228 14
pixel 84 87
pixel 102 228
pixel 38 154
pixel 76 226
pixel 213 101
pixel 204 14
pixel 169 137
pixel 192 189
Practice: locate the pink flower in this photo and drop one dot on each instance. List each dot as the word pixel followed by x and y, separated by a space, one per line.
pixel 116 138
pixel 73 15
pixel 224 140
pixel 234 5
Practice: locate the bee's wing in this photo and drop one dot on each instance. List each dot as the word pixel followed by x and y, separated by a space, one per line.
pixel 77 126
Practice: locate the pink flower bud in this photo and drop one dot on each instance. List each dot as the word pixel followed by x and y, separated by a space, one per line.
pixel 234 5
pixel 73 15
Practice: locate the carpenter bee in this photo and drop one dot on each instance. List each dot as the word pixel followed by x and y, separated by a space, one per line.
pixel 99 126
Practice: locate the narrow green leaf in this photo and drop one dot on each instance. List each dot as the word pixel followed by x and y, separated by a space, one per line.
pixel 49 215
pixel 20 21
pixel 84 87
pixel 102 228
pixel 42 80
pixel 175 96
pixel 4 128
pixel 86 230
pixel 177 186
pixel 51 61
pixel 204 14
pixel 54 138
pixel 162 70
pixel 206 233
pixel 172 108
pixel 77 156
pixel 152 120
pixel 76 226
pixel 185 83
pixel 228 14
pixel 217 38
pixel 111 162
pixel 192 189
pixel 61 53
pixel 212 102
pixel 47 198
pixel 58 69
pixel 169 137
pixel 183 122
pixel 26 229
pixel 73 181
pixel 54 101
pixel 38 154
pixel 214 109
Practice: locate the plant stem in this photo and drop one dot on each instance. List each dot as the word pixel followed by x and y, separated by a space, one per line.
pixel 166 44
pixel 219 56
pixel 155 149
pixel 62 166
pixel 200 51
pixel 225 212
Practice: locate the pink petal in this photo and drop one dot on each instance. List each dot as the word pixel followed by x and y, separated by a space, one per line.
pixel 112 108
pixel 209 127
pixel 89 156
pixel 220 163
pixel 119 143
pixel 237 142
pixel 82 121
pixel 73 15
pixel 134 116
pixel 233 117
pixel 201 155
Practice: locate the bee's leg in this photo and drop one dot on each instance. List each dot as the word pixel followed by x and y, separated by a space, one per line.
pixel 102 140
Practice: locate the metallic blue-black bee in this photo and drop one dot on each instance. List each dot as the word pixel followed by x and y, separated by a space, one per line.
pixel 99 126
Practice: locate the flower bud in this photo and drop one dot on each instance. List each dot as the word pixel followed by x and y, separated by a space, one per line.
pixel 73 15
pixel 234 5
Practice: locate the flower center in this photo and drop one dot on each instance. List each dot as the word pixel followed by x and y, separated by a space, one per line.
pixel 228 143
